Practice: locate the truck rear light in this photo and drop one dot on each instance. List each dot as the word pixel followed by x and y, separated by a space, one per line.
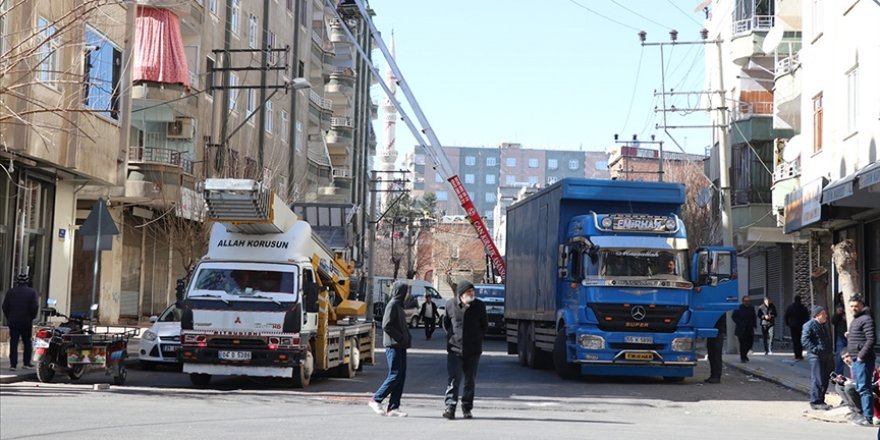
pixel 273 343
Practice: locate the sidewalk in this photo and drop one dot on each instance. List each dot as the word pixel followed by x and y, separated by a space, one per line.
pixel 782 369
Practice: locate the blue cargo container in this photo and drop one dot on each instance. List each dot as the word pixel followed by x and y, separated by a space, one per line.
pixel 600 280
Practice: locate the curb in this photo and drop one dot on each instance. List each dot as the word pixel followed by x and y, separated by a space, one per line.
pixel 25 377
pixel 769 377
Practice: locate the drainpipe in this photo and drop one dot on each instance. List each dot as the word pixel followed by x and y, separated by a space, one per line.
pixel 294 72
pixel 264 60
pixel 224 111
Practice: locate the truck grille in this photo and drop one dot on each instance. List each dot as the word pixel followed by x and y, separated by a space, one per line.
pixel 236 343
pixel 625 317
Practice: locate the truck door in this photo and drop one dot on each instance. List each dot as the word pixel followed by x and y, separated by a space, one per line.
pixel 715 287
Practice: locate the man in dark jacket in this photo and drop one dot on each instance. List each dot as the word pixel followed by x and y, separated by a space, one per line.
pixel 819 353
pixel 796 315
pixel 396 339
pixel 838 323
pixel 767 316
pixel 428 315
pixel 860 344
pixel 20 307
pixel 745 321
pixel 466 324
pixel 714 348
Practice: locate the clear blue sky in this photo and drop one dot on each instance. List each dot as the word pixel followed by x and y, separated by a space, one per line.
pixel 547 74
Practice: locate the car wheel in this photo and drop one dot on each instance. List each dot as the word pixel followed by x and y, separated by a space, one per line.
pixel 76 372
pixel 121 375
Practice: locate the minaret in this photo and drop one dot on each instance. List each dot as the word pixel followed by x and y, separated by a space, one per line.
pixel 389 153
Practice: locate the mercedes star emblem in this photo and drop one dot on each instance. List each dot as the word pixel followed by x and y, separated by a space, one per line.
pixel 638 313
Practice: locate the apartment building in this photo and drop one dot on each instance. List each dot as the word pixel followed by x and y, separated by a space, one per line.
pixel 203 88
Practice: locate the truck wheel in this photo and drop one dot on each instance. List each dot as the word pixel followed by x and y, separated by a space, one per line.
pixel 200 379
pixel 521 342
pixel 45 373
pixel 673 379
pixel 302 373
pixel 533 354
pixel 349 370
pixel 564 369
pixel 75 372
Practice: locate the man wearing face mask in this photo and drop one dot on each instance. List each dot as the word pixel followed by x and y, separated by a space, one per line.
pixel 466 324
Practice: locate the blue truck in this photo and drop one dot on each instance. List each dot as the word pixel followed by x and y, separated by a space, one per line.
pixel 600 281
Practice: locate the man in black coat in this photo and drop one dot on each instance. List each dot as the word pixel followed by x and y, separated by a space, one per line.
pixel 714 347
pixel 746 321
pixel 396 339
pixel 860 344
pixel 767 316
pixel 820 355
pixel 796 315
pixel 466 324
pixel 428 315
pixel 20 307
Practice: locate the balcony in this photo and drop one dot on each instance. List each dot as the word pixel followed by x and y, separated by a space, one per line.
pixel 754 23
pixel 339 137
pixel 337 33
pixel 787 93
pixel 341 83
pixel 160 156
pixel 342 173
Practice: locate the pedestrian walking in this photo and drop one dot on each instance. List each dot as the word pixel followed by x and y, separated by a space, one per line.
pixel 838 322
pixel 796 315
pixel 20 306
pixel 860 344
pixel 767 316
pixel 428 315
pixel 466 324
pixel 819 353
pixel 745 321
pixel 396 339
pixel 714 348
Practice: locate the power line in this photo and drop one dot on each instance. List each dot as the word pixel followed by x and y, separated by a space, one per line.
pixel 684 13
pixel 640 15
pixel 605 17
pixel 635 87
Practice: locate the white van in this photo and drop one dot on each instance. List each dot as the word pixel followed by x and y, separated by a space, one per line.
pixel 418 290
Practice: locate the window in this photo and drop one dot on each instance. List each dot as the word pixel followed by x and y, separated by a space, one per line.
pixel 212 6
pixel 490 179
pixel 490 197
pixel 852 100
pixel 233 17
pixel 271 44
pixel 209 77
pixel 437 178
pixel 491 161
pixel 233 92
pixel 102 72
pixel 510 161
pixel 471 195
pixel 252 31
pixel 270 117
pixel 442 196
pixel 533 163
pixel 3 9
pixel 290 5
pixel 251 104
pixel 285 129
pixel 552 164
pixel 470 160
pixel 551 180
pixel 303 15
pixel 468 178
pixel 573 164
pixel 511 180
pixel 420 159
pixel 48 53
pixel 489 214
pixel 533 180
pixel 817 123
pixel 601 165
pixel 817 14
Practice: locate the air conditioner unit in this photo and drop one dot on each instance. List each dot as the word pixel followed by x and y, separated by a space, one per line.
pixel 181 128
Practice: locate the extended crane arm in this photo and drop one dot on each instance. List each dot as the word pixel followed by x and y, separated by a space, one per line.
pixel 433 147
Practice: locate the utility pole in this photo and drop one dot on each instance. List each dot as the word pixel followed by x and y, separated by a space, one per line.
pixel 376 183
pixel 635 140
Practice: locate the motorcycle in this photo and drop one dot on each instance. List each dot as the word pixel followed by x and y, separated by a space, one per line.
pixel 50 348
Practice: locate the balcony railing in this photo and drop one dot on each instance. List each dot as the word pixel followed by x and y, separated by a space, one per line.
pixel 787 64
pixel 341 122
pixel 344 173
pixel 160 155
pixel 787 170
pixel 317 39
pixel 320 101
pixel 745 110
pixel 754 23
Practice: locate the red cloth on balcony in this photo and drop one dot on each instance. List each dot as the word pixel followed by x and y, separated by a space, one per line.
pixel 158 48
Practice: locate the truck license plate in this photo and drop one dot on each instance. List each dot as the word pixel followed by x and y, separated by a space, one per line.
pixel 639 356
pixel 639 339
pixel 234 355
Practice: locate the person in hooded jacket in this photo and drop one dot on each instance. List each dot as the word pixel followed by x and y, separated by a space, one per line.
pixel 860 344
pixel 396 339
pixel 815 340
pixel 796 315
pixel 20 307
pixel 745 320
pixel 466 324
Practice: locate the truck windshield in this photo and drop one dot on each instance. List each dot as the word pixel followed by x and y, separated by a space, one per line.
pixel 243 282
pixel 652 263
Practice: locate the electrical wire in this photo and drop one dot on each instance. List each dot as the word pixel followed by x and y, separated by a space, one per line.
pixel 684 13
pixel 640 15
pixel 632 98
pixel 605 16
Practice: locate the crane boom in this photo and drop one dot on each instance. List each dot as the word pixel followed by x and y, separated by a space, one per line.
pixel 432 146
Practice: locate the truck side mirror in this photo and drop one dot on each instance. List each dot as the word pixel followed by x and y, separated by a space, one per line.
pixel 562 260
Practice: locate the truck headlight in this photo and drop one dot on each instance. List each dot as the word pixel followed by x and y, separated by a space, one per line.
pixel 149 335
pixel 683 344
pixel 591 342
pixel 606 222
pixel 671 224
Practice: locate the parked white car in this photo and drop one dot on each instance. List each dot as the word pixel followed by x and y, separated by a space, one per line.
pixel 159 344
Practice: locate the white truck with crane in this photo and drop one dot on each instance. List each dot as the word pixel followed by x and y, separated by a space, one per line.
pixel 269 299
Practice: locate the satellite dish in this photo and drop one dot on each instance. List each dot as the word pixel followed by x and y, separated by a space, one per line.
pixel 793 148
pixel 704 197
pixel 773 38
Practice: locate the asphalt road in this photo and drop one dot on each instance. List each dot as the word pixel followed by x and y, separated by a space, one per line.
pixel 513 402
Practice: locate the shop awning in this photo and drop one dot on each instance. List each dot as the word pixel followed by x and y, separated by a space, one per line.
pixel 870 177
pixel 803 206
pixel 158 49
pixel 857 190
